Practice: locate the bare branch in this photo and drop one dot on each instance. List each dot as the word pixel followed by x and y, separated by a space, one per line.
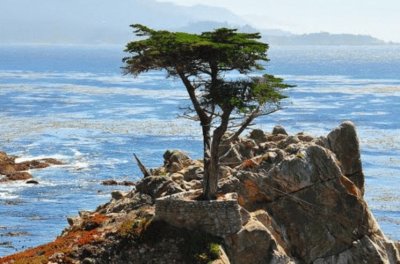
pixel 247 122
pixel 142 168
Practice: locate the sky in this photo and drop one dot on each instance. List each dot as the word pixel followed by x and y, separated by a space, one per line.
pixel 379 18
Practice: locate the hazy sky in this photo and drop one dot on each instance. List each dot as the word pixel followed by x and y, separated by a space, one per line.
pixel 380 18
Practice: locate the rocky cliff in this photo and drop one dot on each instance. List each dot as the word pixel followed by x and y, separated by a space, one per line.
pixel 283 199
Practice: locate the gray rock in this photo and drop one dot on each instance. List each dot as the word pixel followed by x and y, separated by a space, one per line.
pixel 117 195
pixel 279 130
pixel 254 243
pixel 174 160
pixel 343 141
pixel 258 135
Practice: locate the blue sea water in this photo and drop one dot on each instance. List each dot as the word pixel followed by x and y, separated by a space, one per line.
pixel 74 104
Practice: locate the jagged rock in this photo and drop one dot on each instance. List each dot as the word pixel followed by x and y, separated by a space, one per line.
pixel 295 172
pixel 254 243
pixel 174 160
pixel 279 130
pixel 157 186
pixel 343 141
pixel 330 213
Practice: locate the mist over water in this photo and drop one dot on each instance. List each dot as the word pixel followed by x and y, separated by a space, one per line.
pixel 73 104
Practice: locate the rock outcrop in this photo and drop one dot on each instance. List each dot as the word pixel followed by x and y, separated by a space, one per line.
pixel 12 171
pixel 299 200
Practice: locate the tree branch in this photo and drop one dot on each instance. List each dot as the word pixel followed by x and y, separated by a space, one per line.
pixel 204 119
pixel 247 122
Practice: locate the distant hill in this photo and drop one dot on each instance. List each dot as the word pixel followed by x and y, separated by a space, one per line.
pixel 107 22
pixel 95 21
pixel 323 38
pixel 280 37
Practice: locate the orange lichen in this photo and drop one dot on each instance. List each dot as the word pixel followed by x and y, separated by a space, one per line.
pixel 63 244
pixel 248 164
pixel 99 219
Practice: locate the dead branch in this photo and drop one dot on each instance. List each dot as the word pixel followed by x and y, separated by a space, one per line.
pixel 143 169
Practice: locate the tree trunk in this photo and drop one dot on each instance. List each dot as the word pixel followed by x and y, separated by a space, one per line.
pixel 207 191
pixel 211 172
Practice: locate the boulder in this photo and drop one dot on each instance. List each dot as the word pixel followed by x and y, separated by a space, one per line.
pixel 313 164
pixel 317 212
pixel 174 160
pixel 279 130
pixel 255 244
pixel 258 136
pixel 343 141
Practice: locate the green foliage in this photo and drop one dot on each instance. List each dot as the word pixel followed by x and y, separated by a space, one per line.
pixel 214 250
pixel 195 54
pixel 209 53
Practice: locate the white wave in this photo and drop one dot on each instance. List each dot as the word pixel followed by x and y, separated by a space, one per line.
pixel 52 156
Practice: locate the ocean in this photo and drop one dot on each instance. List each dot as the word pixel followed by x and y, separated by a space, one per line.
pixel 73 103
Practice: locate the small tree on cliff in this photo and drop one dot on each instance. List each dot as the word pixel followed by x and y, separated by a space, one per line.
pixel 201 62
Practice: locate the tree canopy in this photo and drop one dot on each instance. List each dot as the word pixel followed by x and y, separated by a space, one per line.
pixel 214 68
